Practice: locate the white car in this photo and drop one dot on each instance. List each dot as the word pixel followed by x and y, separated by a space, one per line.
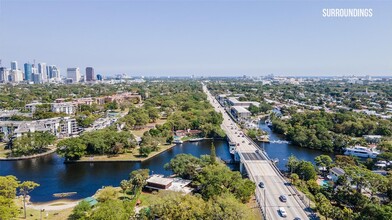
pixel 282 212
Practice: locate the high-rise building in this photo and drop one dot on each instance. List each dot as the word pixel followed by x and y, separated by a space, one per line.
pixel 43 75
pixel 16 76
pixel 3 75
pixel 55 73
pixel 90 75
pixel 28 72
pixel 99 77
pixel 74 74
pixel 14 65
pixel 35 74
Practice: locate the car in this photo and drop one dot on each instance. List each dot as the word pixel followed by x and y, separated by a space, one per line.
pixel 235 133
pixel 243 141
pixel 297 218
pixel 250 143
pixel 282 212
pixel 261 185
pixel 283 198
pixel 238 136
pixel 257 151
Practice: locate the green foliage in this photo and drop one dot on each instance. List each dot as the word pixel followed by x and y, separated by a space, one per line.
pixel 171 205
pixel 8 187
pixel 329 131
pixel 323 161
pixel 184 165
pixel 107 193
pixel 32 143
pixel 216 180
pixel 213 154
pixel 112 210
pixel 103 141
pixel 304 169
pixel 80 212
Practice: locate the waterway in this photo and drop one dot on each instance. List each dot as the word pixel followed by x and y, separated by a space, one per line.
pixel 282 151
pixel 86 178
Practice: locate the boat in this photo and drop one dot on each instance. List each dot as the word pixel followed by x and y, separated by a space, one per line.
pixel 360 151
pixel 268 122
pixel 66 194
pixel 195 139
pixel 178 141
pixel 263 138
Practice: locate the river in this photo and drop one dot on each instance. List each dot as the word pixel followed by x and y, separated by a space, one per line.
pixel 86 178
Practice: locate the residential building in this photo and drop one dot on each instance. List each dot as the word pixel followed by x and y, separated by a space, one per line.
pixel 90 75
pixel 31 107
pixel 65 107
pixel 233 101
pixel 74 74
pixel 16 76
pixel 335 172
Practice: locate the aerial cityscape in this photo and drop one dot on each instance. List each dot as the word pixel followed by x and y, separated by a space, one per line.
pixel 119 110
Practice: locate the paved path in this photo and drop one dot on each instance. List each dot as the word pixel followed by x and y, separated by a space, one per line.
pixel 260 168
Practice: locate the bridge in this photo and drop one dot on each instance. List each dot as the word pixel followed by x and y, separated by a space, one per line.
pixel 256 163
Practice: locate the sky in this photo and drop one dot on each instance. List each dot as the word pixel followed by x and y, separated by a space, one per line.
pixel 198 37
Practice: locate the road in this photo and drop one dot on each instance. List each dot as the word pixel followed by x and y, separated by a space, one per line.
pixel 259 168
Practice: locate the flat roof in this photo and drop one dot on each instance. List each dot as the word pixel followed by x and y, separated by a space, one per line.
pixel 240 109
pixel 159 179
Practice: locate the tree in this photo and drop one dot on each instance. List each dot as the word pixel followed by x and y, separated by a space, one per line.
pixel 8 186
pixel 184 165
pixel 107 193
pixel 138 179
pixel 323 205
pixel 125 185
pixel 323 161
pixel 213 154
pixel 81 211
pixel 306 171
pixel 25 188
pixel 292 163
pixel 71 149
pixel 112 210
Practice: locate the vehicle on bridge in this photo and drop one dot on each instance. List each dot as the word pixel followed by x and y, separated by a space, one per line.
pixel 282 212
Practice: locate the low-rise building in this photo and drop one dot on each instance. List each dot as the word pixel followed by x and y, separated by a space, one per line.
pixel 233 101
pixel 335 172
pixel 240 113
pixel 68 108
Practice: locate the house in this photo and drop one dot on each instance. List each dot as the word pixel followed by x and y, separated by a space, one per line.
pixel 159 182
pixel 335 172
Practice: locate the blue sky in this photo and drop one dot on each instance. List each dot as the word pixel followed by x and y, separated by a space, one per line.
pixel 198 37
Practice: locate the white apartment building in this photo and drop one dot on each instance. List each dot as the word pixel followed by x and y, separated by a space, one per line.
pixel 65 107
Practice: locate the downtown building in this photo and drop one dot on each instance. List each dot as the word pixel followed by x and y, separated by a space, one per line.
pixel 90 75
pixel 73 74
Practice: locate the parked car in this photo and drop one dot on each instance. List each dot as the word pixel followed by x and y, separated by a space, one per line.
pixel 283 198
pixel 282 212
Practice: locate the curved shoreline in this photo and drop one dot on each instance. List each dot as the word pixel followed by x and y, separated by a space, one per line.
pixel 51 151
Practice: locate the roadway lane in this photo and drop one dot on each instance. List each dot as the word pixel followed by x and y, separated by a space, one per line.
pixel 260 169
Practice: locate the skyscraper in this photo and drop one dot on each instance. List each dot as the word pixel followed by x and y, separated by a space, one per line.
pixel 99 77
pixel 28 71
pixel 90 75
pixel 3 75
pixel 43 75
pixel 55 73
pixel 74 74
pixel 14 65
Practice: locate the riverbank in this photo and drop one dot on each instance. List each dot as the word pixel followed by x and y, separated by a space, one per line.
pixel 4 153
pixel 125 157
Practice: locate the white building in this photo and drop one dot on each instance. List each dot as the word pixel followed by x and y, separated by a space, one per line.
pixel 74 74
pixel 61 127
pixel 16 76
pixel 233 101
pixel 42 71
pixel 4 72
pixel 65 107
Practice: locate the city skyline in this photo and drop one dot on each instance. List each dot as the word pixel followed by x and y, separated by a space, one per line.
pixel 217 38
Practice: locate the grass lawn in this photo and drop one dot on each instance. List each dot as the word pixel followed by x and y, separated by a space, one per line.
pixel 128 156
pixel 33 214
